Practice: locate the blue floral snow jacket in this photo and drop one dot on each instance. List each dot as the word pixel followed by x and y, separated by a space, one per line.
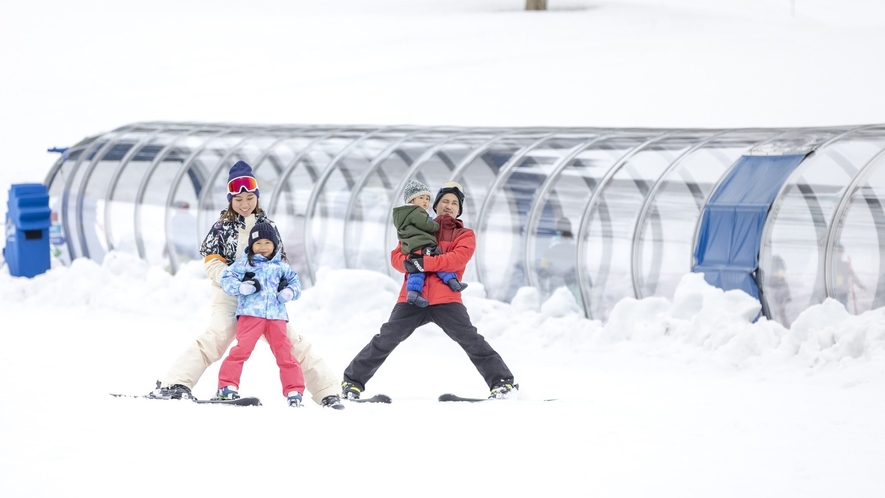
pixel 263 303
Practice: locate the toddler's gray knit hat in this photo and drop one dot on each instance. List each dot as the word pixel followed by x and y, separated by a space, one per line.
pixel 413 189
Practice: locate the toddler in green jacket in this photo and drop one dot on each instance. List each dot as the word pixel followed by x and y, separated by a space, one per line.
pixel 415 231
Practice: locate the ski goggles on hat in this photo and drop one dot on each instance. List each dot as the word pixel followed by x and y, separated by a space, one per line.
pixel 242 183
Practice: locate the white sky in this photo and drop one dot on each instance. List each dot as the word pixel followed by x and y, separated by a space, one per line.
pixel 682 398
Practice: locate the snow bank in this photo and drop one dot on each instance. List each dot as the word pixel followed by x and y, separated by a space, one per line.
pixel 122 282
pixel 718 323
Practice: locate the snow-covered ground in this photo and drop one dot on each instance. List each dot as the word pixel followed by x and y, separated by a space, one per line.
pixel 682 398
pixel 685 398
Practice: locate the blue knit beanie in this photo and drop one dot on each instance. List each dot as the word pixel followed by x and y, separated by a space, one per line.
pixel 241 170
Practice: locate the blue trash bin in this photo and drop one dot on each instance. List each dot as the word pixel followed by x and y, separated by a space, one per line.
pixel 27 230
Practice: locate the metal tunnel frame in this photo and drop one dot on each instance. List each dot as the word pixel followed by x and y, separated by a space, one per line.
pixel 603 213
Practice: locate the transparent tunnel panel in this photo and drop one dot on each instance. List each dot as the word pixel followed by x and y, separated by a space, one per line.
pixel 181 223
pixel 151 211
pixel 477 173
pixel 92 200
pixel 121 209
pixel 149 147
pixel 72 217
pixel 91 190
pixel 275 163
pixel 279 157
pixel 460 160
pixel 858 262
pixel 799 224
pixel 131 180
pixel 594 223
pixel 324 237
pixel 561 201
pixel 184 235
pixel 288 205
pixel 59 178
pixel 506 213
pixel 270 164
pixel 611 219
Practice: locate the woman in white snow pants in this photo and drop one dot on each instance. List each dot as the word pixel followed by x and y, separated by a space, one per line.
pixel 225 242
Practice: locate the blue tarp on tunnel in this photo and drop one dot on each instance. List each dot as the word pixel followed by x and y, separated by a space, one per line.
pixel 730 233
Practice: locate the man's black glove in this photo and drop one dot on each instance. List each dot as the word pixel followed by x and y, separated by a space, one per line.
pixel 250 277
pixel 415 264
pixel 283 284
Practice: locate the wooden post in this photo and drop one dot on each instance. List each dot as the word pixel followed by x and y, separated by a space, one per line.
pixel 535 4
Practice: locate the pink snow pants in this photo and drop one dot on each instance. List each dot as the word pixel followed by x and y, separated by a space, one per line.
pixel 249 330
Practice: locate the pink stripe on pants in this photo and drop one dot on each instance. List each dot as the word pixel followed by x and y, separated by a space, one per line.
pixel 249 330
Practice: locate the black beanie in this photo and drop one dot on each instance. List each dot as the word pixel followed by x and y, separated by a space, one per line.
pixel 451 188
pixel 264 231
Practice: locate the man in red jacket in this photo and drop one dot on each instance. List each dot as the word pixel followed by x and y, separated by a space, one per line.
pixel 445 308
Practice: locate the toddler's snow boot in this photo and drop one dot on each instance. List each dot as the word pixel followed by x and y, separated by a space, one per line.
pixel 455 285
pixel 417 299
pixel 294 399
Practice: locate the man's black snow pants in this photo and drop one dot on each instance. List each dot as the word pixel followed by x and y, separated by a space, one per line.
pixel 452 318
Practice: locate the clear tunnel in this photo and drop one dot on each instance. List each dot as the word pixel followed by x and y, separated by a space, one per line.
pixel 605 213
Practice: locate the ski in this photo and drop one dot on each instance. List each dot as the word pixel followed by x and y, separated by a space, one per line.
pixel 146 396
pixel 454 397
pixel 378 398
pixel 234 402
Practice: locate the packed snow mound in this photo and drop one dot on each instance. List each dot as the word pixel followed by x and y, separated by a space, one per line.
pixel 122 281
pixel 721 324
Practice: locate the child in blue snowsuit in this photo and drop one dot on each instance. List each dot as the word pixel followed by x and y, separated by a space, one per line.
pixel 415 231
pixel 264 283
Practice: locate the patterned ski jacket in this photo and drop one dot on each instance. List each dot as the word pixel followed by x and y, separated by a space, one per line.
pixel 268 274
pixel 219 248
